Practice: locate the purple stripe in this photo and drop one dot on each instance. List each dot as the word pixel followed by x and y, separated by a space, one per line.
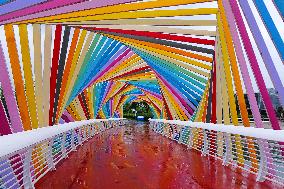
pixel 18 4
pixel 254 65
pixel 68 116
pixel 247 81
pixel 70 8
pixel 263 49
pixel 16 123
pixel 243 66
pixel 4 128
pixel 117 54
pixel 7 175
pixel 184 102
pixel 109 84
pixel 159 96
pixel 38 8
pixel 112 63
pixel 65 118
pixel 110 105
pixel 61 121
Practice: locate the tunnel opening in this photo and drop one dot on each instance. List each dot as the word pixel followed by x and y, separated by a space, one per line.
pixel 140 111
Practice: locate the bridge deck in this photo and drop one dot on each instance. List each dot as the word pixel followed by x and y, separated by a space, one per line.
pixel 136 158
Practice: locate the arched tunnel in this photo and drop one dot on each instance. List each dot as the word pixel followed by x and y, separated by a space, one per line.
pixel 206 76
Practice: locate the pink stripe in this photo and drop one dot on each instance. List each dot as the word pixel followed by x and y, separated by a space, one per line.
pixel 153 93
pixel 243 66
pixel 70 8
pixel 247 81
pixel 68 115
pixel 119 59
pixel 5 127
pixel 16 123
pixel 182 103
pixel 254 65
pixel 37 8
pixel 125 55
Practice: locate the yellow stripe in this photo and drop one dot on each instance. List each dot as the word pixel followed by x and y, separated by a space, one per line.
pixel 91 101
pixel 234 67
pixel 17 76
pixel 164 53
pixel 70 81
pixel 38 72
pixel 79 108
pixel 30 92
pixel 228 74
pixel 151 22
pixel 121 8
pixel 133 15
pixel 46 73
pixel 74 114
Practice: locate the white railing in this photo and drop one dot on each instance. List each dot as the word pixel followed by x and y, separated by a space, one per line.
pixel 256 150
pixel 27 156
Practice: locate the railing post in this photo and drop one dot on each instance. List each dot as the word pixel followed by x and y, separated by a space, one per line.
pixel 150 124
pixel 263 161
pixel 73 146
pixel 173 126
pixel 104 125
pixel 164 127
pixel 205 143
pixel 190 138
pixel 89 130
pixel 63 149
pixel 79 136
pixel 180 133
pixel 227 154
pixel 93 129
pixel 156 125
pixel 27 176
pixel 50 161
pixel 84 133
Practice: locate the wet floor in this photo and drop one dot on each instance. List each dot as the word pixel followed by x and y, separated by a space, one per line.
pixel 134 157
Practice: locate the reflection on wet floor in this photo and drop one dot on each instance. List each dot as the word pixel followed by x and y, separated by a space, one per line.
pixel 133 157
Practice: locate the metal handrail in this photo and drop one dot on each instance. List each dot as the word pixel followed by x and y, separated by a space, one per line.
pixel 27 156
pixel 255 150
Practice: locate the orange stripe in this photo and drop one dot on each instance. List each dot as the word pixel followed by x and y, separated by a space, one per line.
pixel 67 70
pixel 18 79
pixel 165 48
pixel 234 67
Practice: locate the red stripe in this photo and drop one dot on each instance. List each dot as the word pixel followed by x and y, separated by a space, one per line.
pixel 83 105
pixel 5 127
pixel 122 88
pixel 54 68
pixel 131 72
pixel 87 100
pixel 158 35
pixel 154 105
pixel 169 115
pixel 213 116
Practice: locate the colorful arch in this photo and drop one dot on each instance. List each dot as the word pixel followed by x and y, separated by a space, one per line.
pixel 196 60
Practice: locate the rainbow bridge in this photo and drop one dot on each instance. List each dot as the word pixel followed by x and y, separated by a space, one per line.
pixel 210 71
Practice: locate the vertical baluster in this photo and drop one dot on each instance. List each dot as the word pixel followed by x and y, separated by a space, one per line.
pixel 27 176
pixel 205 143
pixel 73 146
pixel 263 161
pixel 50 161
pixel 63 149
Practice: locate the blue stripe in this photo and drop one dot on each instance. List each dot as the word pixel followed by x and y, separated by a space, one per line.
pixel 271 27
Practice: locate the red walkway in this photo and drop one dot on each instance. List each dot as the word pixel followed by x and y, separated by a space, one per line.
pixel 136 158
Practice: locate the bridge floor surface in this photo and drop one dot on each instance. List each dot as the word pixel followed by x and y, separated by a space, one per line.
pixel 134 157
